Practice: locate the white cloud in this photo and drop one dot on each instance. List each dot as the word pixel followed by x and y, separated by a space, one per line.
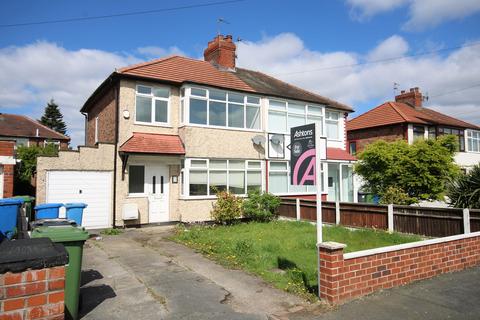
pixel 363 9
pixel 422 13
pixel 359 84
pixel 429 13
pixel 35 73
pixel 151 52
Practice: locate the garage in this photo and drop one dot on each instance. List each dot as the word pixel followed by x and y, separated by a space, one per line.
pixel 91 187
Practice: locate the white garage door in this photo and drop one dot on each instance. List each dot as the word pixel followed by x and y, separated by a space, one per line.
pixel 91 187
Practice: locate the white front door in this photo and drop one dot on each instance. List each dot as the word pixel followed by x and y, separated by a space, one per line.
pixel 157 190
pixel 333 182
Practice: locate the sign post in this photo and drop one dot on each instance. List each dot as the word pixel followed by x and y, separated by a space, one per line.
pixel 307 150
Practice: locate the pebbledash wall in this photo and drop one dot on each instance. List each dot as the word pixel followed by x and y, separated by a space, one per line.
pixel 347 276
pixel 33 294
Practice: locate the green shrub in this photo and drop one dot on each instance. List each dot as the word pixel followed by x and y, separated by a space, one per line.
pixel 261 206
pixel 227 209
pixel 396 195
pixel 464 192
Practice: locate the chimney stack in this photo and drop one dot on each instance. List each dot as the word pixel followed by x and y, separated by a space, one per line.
pixel 413 98
pixel 221 52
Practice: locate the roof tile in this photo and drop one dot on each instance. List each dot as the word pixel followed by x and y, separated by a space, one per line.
pixel 153 143
pixel 15 125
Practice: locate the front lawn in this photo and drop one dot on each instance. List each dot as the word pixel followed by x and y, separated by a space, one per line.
pixel 281 252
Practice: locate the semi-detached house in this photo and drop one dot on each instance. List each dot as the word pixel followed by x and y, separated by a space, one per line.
pixel 163 135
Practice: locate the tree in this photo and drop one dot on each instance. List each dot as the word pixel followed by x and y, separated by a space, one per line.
pixel 420 171
pixel 27 167
pixel 464 192
pixel 53 118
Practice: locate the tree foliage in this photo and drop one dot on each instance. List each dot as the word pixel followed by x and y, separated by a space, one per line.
pixel 53 118
pixel 420 171
pixel 464 192
pixel 28 160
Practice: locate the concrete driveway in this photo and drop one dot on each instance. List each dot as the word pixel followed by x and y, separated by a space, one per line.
pixel 142 275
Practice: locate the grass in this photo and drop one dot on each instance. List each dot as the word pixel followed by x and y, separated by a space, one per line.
pixel 111 232
pixel 281 252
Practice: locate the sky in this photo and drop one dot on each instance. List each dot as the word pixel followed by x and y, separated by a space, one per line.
pixel 352 51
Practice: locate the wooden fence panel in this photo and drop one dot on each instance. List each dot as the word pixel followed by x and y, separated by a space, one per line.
pixel 474 220
pixel 431 222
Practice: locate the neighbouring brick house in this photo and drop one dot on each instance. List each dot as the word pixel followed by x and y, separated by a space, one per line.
pixel 407 119
pixel 7 165
pixel 162 135
pixel 28 132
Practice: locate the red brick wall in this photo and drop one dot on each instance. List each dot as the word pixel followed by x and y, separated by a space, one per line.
pixel 7 148
pixel 342 279
pixel 40 142
pixel 364 137
pixel 104 109
pixel 33 294
pixel 8 172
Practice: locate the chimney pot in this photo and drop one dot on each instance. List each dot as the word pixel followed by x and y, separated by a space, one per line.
pixel 402 92
pixel 221 52
pixel 412 90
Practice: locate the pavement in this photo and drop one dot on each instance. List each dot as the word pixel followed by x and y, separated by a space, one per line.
pixel 140 274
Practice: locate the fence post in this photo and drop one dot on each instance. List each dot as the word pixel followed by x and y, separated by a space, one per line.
pixel 337 212
pixel 298 209
pixel 466 220
pixel 390 217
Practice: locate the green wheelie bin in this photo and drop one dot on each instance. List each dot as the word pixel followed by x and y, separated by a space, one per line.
pixel 73 239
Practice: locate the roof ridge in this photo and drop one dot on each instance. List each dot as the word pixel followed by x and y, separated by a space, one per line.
pixel 398 111
pixel 41 125
pixel 146 63
pixel 450 117
pixel 298 88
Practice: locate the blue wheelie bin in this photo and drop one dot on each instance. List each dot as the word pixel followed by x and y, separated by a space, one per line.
pixel 47 210
pixel 75 212
pixel 8 217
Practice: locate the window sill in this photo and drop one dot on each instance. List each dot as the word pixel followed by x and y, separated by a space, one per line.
pixel 298 194
pixel 220 128
pixel 149 124
pixel 136 195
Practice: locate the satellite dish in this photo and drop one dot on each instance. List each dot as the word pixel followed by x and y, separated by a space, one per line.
pixel 259 140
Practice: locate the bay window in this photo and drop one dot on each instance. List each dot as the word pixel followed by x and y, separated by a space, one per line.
pixel 152 105
pixel 208 176
pixel 217 108
pixel 283 115
pixel 418 133
pixel 473 140
pixel 456 132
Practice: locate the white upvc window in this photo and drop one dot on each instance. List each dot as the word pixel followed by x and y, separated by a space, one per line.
pixel 473 141
pixel 283 115
pixel 152 105
pixel 207 176
pixel 332 124
pixel 279 180
pixel 218 108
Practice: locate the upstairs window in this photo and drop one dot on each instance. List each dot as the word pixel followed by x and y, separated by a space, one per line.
pixel 332 124
pixel 219 108
pixel 283 115
pixel 151 105
pixel 473 141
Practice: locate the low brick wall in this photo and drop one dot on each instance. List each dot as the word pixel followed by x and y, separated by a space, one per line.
pixel 33 294
pixel 347 276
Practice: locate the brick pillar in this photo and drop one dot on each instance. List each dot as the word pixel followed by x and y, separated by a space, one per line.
pixel 8 180
pixel 33 294
pixel 331 265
